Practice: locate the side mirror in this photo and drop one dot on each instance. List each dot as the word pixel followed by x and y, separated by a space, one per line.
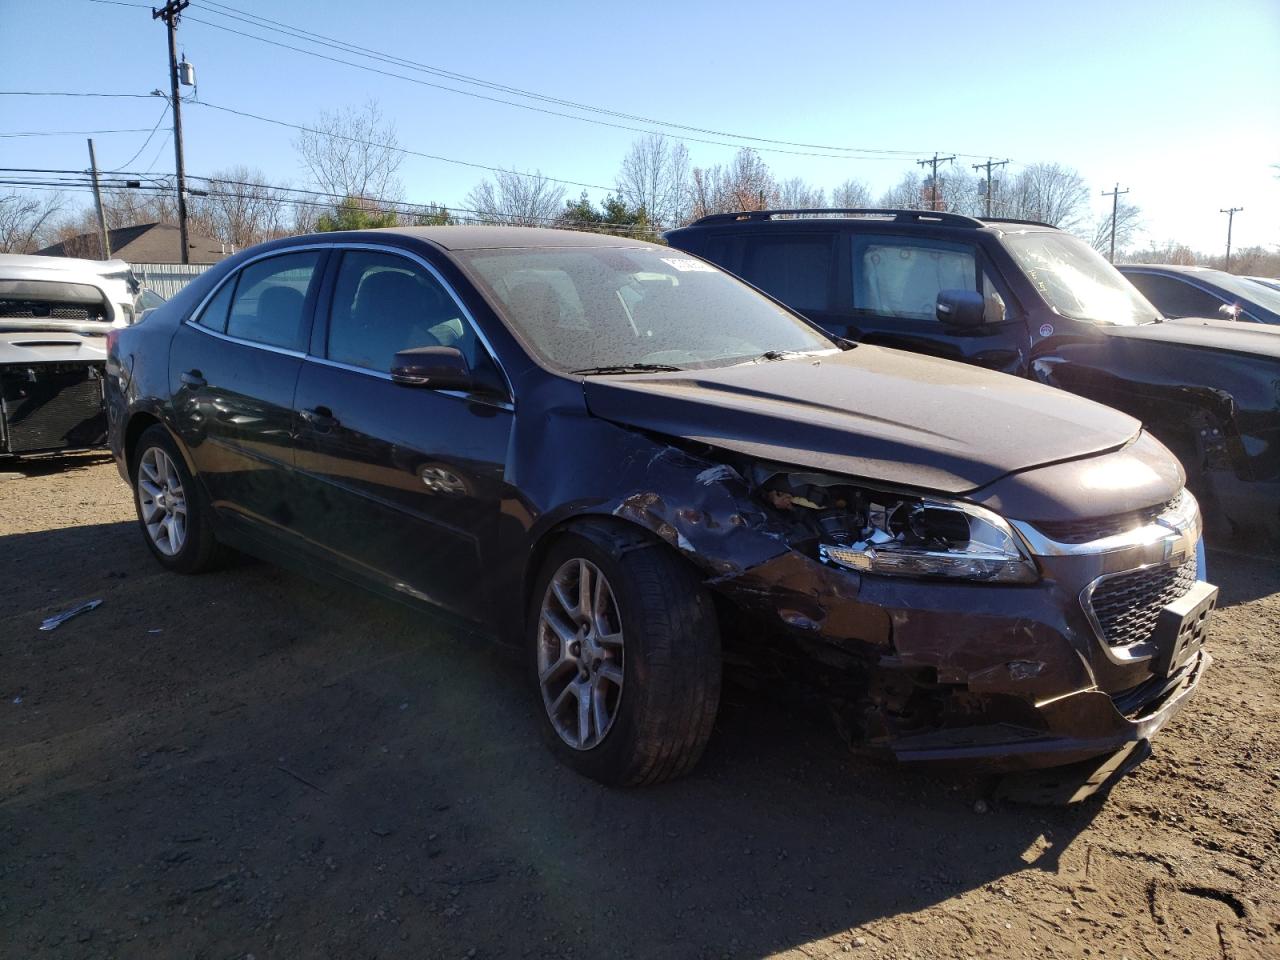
pixel 961 308
pixel 437 368
pixel 1229 311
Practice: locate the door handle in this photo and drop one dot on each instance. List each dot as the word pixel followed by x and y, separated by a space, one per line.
pixel 319 418
pixel 194 379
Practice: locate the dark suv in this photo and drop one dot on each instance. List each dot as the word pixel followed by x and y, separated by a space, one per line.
pixel 1030 300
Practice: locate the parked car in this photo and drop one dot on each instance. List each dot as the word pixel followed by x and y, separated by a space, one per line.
pixel 1202 292
pixel 54 314
pixel 1033 301
pixel 621 457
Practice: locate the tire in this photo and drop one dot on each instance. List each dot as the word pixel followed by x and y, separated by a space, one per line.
pixel 158 466
pixel 660 717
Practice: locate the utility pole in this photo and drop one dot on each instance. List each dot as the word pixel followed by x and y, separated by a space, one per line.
pixel 988 166
pixel 933 178
pixel 104 241
pixel 1231 215
pixel 169 13
pixel 1115 209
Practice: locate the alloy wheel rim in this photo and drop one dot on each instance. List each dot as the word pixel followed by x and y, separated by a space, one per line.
pixel 580 661
pixel 163 501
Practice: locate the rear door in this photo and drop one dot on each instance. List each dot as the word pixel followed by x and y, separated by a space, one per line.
pixel 894 281
pixel 399 485
pixel 232 371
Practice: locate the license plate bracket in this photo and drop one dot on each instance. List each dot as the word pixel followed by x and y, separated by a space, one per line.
pixel 1181 628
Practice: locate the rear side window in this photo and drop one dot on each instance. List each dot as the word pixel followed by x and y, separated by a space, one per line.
pixel 902 276
pixel 796 270
pixel 214 314
pixel 270 301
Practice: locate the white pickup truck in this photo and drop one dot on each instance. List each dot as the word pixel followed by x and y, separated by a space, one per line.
pixel 54 316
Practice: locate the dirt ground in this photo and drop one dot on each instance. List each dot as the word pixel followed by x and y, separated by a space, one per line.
pixel 248 763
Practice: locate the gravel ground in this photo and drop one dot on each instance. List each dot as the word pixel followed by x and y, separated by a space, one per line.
pixel 251 763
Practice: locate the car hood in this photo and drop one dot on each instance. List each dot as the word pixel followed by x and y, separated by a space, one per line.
pixel 870 412
pixel 1259 339
pixel 50 346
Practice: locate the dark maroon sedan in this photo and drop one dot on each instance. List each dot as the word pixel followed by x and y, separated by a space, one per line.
pixel 625 460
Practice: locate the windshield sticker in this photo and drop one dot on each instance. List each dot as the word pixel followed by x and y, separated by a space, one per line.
pixel 1046 329
pixel 688 265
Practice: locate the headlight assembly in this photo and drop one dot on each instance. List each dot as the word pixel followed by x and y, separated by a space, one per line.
pixel 894 534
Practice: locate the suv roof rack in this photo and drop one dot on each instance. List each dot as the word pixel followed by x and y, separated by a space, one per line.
pixel 897 216
pixel 1034 223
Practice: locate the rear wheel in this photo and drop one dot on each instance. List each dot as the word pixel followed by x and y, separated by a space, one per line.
pixel 625 654
pixel 176 522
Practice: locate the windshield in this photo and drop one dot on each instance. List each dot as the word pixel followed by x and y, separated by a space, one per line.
pixel 1243 288
pixel 584 308
pixel 1076 281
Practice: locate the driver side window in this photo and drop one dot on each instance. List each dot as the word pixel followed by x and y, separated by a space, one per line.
pixel 383 303
pixel 901 276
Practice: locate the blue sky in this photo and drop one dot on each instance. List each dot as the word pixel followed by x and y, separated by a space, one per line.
pixel 1179 101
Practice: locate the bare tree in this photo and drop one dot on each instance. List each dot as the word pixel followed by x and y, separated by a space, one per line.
pixel 26 219
pixel 851 194
pixel 1128 223
pixel 796 194
pixel 241 208
pixel 745 184
pixel 655 177
pixel 523 199
pixel 353 152
pixel 1048 192
pixel 907 194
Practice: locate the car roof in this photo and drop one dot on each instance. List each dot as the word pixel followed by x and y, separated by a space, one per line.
pixel 1165 268
pixel 487 238
pixel 809 218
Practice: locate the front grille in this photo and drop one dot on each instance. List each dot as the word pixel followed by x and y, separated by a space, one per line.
pixel 1095 528
pixel 54 411
pixel 1127 605
pixel 56 311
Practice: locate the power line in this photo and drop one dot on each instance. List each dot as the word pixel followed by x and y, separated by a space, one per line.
pixel 70 133
pixel 525 106
pixel 279 27
pixel 150 135
pixel 394 147
pixel 62 93
pixel 323 201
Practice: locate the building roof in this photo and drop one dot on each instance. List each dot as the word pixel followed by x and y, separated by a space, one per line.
pixel 143 243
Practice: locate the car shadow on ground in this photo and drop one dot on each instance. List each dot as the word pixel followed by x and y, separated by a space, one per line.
pixel 44 466
pixel 248 762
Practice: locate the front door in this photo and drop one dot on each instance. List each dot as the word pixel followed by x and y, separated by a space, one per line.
pixel 893 290
pixel 399 485
pixel 232 371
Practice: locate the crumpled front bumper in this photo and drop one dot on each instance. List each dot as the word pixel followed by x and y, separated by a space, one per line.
pixel 1007 677
pixel 1079 726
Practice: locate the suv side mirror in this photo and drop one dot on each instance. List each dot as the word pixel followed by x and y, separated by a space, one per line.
pixel 1229 311
pixel 961 308
pixel 437 368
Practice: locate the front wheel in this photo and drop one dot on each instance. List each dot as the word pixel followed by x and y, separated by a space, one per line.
pixel 626 658
pixel 175 520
